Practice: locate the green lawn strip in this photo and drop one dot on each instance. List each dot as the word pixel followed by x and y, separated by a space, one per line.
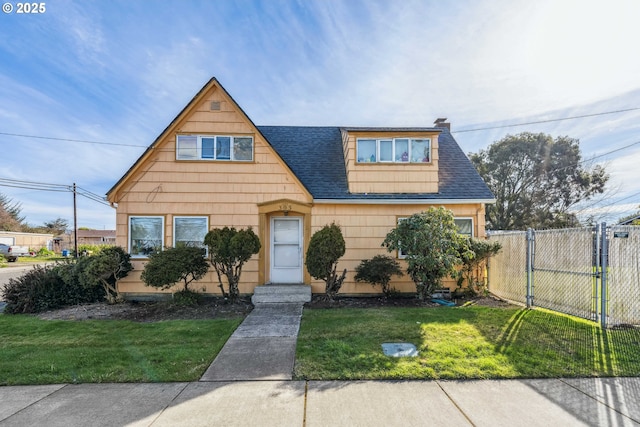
pixel 34 351
pixel 461 343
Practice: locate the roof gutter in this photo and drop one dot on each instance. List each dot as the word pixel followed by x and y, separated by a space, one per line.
pixel 402 201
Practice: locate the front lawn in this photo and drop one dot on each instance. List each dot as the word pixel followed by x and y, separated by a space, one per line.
pixel 461 342
pixel 34 351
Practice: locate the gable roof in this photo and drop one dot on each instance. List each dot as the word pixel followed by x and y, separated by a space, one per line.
pixel 212 84
pixel 315 155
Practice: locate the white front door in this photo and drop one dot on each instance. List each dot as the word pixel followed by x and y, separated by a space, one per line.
pixel 286 250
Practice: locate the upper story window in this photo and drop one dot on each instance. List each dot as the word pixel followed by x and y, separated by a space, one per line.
pixel 214 147
pixel 394 150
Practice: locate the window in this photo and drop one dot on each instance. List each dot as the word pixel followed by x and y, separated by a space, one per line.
pixel 398 150
pixel 420 151
pixel 465 226
pixel 146 235
pixel 190 230
pixel 214 147
pixel 401 255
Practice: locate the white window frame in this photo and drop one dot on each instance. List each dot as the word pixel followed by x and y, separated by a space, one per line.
pixel 130 243
pixel 198 149
pixel 393 150
pixel 465 218
pixel 206 229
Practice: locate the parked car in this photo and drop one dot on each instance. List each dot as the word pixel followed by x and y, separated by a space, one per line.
pixel 11 253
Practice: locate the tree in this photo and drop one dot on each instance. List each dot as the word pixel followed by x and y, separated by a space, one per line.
pixel 229 250
pixel 378 271
pixel 10 214
pixel 57 226
pixel 107 267
pixel 536 181
pixel 180 264
pixel 325 249
pixel 432 245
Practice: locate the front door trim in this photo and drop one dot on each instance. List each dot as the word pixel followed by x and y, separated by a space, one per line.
pixel 269 209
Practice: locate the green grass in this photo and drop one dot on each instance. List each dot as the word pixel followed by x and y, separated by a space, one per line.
pixel 457 343
pixel 34 351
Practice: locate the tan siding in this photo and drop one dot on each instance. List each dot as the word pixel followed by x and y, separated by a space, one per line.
pixel 391 177
pixel 365 227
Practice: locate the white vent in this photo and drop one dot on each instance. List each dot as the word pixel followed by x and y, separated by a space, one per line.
pixel 215 105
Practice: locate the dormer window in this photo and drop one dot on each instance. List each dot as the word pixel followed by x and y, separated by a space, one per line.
pixel 394 150
pixel 214 147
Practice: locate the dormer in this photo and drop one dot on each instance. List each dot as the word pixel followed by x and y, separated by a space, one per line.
pixel 391 160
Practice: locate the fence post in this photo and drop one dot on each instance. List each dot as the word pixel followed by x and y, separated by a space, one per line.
pixel 530 253
pixel 604 262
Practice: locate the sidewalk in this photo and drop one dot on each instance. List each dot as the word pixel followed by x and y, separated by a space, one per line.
pixel 556 402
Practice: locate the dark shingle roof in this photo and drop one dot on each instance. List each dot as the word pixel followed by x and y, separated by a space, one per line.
pixel 315 155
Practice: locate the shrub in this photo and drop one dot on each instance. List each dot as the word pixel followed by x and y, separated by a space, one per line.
pixel 180 264
pixel 44 288
pixel 44 253
pixel 106 268
pixel 432 245
pixel 378 271
pixel 229 250
pixel 187 298
pixel 471 271
pixel 326 247
pixel 87 249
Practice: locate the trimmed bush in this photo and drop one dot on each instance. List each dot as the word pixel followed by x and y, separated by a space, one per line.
pixel 110 265
pixel 180 264
pixel 326 247
pixel 378 271
pixel 229 250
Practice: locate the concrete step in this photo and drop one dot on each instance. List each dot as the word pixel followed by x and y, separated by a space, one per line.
pixel 281 294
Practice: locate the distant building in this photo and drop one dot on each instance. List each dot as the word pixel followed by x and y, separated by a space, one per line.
pixel 85 237
pixel 35 241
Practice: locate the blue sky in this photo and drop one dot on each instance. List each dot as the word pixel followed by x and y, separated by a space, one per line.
pixel 120 71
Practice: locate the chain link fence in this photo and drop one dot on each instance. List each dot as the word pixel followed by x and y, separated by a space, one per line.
pixel 507 277
pixel 570 270
pixel 624 274
pixel 563 273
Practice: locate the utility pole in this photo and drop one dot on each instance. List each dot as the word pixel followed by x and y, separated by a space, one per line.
pixel 75 223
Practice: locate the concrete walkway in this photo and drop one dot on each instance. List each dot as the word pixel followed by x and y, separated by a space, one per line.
pixel 262 348
pixel 557 402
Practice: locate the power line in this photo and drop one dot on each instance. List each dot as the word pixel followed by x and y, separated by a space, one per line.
pixel 72 140
pixel 546 121
pixel 455 131
pixel 60 188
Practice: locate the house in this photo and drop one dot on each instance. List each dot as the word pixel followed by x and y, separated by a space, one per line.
pixel 34 241
pixel 633 220
pixel 96 237
pixel 213 167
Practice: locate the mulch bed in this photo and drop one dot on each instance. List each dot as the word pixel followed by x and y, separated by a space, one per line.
pixel 216 308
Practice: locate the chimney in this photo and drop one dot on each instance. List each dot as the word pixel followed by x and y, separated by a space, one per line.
pixel 441 122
